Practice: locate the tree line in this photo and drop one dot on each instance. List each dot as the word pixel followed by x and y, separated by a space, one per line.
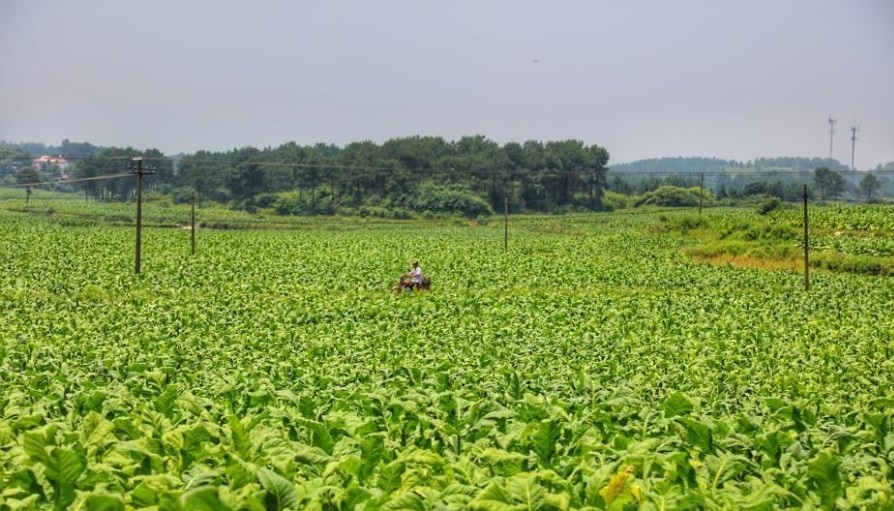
pixel 782 177
pixel 697 164
pixel 472 175
pixel 408 176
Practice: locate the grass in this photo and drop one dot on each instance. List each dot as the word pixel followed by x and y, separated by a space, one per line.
pixel 760 242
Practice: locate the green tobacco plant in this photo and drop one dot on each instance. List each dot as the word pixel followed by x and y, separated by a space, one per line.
pixel 591 365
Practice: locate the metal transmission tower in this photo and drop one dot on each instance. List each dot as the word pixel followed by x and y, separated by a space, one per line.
pixel 831 132
pixel 854 130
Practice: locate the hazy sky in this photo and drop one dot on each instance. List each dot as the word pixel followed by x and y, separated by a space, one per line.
pixel 731 79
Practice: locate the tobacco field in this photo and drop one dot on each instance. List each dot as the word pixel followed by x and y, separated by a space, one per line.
pixel 591 365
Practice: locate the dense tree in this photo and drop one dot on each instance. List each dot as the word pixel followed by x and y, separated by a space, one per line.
pixel 116 161
pixel 163 169
pixel 30 149
pixel 733 176
pixel 27 175
pixel 678 164
pixel 869 184
pixel 481 163
pixel 837 185
pixel 621 186
pixel 111 161
pixel 673 196
pixel 428 173
pixel 416 153
pixel 822 180
pixel 203 174
pixel 75 150
pixel 67 149
pixel 246 181
pixel 773 188
pixel 363 174
pixel 791 163
pixel 11 161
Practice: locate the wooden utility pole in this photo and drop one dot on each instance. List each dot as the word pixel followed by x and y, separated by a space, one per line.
pixel 701 191
pixel 806 246
pixel 192 232
pixel 139 171
pixel 506 222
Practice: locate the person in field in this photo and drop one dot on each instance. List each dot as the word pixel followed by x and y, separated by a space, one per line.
pixel 413 278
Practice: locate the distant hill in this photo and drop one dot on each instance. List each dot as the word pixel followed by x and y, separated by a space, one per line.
pixel 697 164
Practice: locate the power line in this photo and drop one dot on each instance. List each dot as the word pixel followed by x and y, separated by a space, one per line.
pixel 431 170
pixel 70 197
pixel 64 181
pixel 503 174
pixel 265 163
pixel 514 174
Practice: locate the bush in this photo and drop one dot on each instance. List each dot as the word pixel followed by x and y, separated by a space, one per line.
pixel 265 200
pixel 182 195
pixel 220 195
pixel 769 205
pixel 450 199
pixel 246 205
pixel 286 203
pixel 692 222
pixel 613 201
pixel 852 263
pixel 672 196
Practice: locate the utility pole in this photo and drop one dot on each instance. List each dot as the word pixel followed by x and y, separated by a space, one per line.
pixel 701 191
pixel 139 171
pixel 505 222
pixel 831 133
pixel 806 245
pixel 854 130
pixel 192 230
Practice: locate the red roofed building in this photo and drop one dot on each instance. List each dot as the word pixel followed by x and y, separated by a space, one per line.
pixel 45 161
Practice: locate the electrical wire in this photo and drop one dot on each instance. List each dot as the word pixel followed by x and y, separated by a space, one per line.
pixel 64 181
pixel 432 170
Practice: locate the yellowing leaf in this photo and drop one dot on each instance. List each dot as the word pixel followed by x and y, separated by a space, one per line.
pixel 617 485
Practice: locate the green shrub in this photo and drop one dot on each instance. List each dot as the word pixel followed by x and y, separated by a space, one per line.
pixel 692 222
pixel 768 205
pixel 450 199
pixel 853 263
pixel 265 200
pixel 613 201
pixel 671 196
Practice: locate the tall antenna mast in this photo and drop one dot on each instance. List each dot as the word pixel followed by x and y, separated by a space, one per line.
pixel 831 132
pixel 854 130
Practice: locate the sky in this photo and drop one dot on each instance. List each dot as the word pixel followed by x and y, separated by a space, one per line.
pixel 642 78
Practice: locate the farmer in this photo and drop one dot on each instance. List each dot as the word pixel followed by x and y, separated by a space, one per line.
pixel 413 278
